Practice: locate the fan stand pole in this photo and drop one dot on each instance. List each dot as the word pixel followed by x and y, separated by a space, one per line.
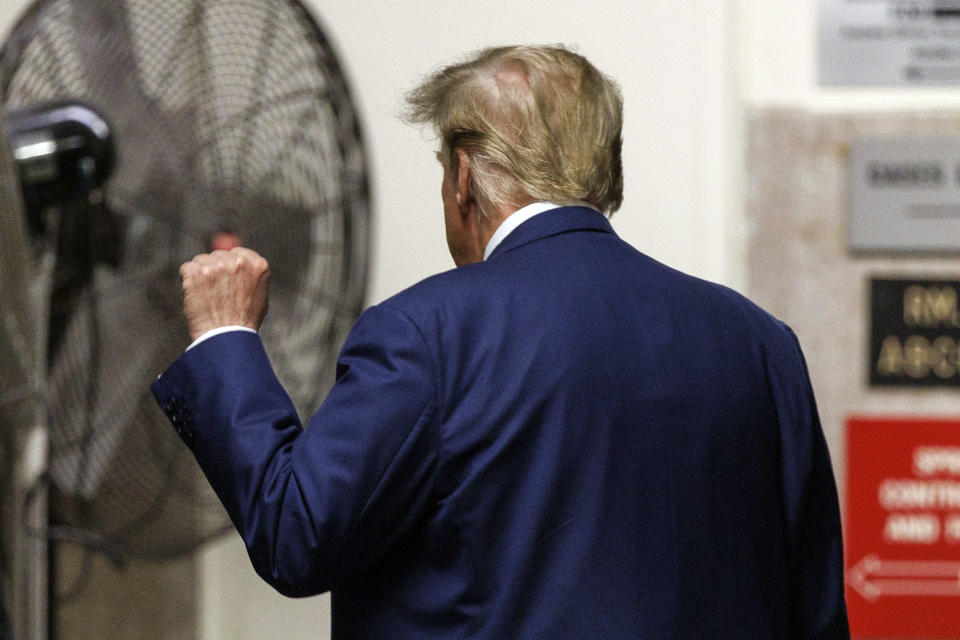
pixel 31 605
pixel 32 577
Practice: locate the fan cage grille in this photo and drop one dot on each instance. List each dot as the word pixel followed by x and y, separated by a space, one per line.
pixel 227 115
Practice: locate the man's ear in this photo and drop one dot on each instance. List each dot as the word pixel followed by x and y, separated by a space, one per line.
pixel 464 188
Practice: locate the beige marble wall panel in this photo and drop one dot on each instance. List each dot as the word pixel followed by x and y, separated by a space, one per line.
pixel 799 268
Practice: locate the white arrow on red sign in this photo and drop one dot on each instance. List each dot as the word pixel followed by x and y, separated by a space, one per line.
pixel 873 577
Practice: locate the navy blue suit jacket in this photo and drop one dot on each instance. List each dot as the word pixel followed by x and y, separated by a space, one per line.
pixel 568 440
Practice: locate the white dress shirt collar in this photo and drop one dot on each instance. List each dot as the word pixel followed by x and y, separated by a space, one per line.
pixel 520 216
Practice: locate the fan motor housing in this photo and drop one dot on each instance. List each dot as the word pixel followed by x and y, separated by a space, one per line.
pixel 60 150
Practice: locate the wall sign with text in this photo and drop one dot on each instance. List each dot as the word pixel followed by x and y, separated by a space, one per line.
pixel 915 333
pixel 902 528
pixel 889 42
pixel 905 194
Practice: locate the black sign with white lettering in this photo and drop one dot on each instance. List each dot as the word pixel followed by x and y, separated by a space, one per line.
pixel 915 333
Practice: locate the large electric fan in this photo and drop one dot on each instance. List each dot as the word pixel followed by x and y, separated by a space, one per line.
pixel 228 119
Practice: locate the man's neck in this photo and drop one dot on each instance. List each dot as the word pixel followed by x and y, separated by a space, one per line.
pixel 503 226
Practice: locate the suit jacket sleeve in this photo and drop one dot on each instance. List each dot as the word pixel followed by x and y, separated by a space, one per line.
pixel 811 508
pixel 313 506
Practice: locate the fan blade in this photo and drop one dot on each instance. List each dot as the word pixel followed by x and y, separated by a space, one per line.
pixel 152 136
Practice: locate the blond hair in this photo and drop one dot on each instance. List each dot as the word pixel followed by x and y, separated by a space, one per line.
pixel 539 123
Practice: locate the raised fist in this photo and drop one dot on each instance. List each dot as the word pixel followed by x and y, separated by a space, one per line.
pixel 225 288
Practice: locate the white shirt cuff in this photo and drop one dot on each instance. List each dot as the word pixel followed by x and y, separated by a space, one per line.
pixel 216 332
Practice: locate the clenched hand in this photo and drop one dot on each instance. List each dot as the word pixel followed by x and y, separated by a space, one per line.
pixel 225 288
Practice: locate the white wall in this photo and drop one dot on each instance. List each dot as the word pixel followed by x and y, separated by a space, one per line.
pixel 669 58
pixel 9 10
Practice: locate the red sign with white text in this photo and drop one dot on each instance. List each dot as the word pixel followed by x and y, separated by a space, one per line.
pixel 902 528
